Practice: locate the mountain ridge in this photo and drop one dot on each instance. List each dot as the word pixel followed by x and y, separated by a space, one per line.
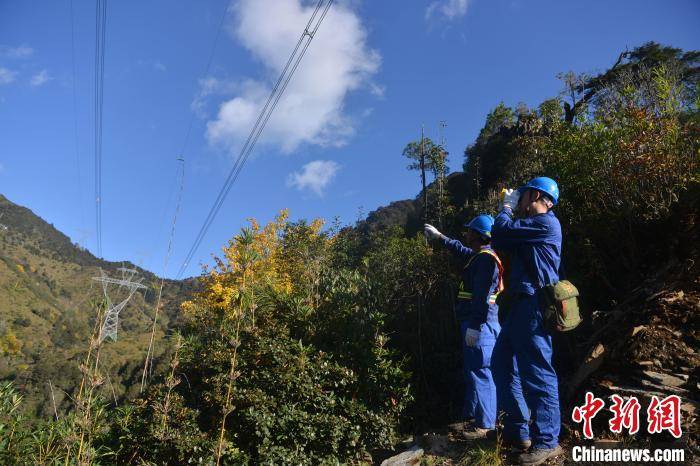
pixel 48 304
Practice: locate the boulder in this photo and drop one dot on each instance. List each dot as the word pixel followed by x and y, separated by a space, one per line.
pixel 409 457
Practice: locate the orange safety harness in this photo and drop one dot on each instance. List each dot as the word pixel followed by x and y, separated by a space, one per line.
pixel 467 295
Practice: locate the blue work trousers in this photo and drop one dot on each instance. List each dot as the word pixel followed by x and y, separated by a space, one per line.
pixel 527 384
pixel 480 389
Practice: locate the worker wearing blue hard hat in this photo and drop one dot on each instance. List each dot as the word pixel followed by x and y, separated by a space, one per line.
pixel 529 232
pixel 481 224
pixel 543 185
pixel 477 313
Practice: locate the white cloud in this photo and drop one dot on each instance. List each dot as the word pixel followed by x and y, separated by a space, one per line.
pixel 314 176
pixel 41 78
pixel 7 76
pixel 21 51
pixel 338 61
pixel 209 87
pixel 156 65
pixel 447 9
pixel 377 90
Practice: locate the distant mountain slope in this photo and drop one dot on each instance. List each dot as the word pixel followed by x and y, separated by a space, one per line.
pixel 408 213
pixel 47 311
pixel 48 303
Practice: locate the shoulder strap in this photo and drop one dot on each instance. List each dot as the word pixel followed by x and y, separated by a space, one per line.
pixel 499 264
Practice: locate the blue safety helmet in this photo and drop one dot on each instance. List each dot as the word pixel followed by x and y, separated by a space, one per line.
pixel 545 185
pixel 481 224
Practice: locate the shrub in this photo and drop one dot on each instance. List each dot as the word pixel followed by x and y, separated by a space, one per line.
pixel 286 361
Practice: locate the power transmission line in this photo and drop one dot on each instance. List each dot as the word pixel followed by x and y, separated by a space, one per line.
pixel 277 91
pixel 190 124
pixel 100 29
pixel 75 122
pixel 162 219
pixel 147 366
pixel 206 72
pixel 148 363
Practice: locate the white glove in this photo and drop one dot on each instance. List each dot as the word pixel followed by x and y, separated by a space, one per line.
pixel 432 232
pixel 472 337
pixel 510 199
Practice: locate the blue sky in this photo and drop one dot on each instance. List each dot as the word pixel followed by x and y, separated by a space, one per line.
pixel 376 71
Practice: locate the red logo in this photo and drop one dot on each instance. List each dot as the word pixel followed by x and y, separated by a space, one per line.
pixel 661 415
pixel 587 412
pixel 665 415
pixel 625 415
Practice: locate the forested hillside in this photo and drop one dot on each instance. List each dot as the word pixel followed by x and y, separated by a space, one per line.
pixel 48 309
pixel 313 344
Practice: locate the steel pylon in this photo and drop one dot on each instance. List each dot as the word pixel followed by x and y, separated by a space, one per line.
pixel 131 284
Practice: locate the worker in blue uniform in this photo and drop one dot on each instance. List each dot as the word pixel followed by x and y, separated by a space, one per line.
pixel 477 313
pixel 528 231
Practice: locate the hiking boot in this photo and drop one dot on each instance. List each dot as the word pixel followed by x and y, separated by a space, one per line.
pixel 517 446
pixel 476 433
pixel 539 455
pixel 458 427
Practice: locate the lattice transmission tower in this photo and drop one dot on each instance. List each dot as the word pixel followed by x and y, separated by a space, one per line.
pixel 127 282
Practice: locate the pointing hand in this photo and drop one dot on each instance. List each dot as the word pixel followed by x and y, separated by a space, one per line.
pixel 432 232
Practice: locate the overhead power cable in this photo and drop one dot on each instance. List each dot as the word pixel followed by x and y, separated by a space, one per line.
pixel 148 363
pixel 206 73
pixel 147 366
pixel 276 93
pixel 75 122
pixel 188 131
pixel 100 29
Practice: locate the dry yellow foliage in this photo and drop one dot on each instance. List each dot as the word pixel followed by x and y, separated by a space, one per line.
pixel 254 259
pixel 9 344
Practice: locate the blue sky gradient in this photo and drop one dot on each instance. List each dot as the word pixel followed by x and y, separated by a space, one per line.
pixel 423 62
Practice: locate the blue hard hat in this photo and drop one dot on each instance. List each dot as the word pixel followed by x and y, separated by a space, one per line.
pixel 481 224
pixel 545 185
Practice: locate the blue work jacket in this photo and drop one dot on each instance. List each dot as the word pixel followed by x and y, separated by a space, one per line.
pixel 533 245
pixel 481 279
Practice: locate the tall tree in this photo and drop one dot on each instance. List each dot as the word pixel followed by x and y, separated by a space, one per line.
pixel 582 89
pixel 417 152
pixel 412 152
pixel 426 156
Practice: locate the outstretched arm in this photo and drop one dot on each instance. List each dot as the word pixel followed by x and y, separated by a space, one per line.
pixel 453 245
pixel 457 248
